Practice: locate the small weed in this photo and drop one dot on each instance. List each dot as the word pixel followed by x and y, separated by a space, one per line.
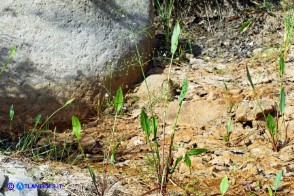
pixel 76 129
pixel 93 176
pixel 11 53
pixel 229 116
pixel 273 125
pixel 111 145
pixel 30 138
pixel 224 185
pixel 164 163
pixel 276 184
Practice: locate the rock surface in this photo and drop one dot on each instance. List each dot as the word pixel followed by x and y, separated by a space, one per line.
pixel 158 87
pixel 72 179
pixel 69 49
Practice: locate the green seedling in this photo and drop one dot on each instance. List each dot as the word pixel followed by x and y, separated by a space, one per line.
pixel 273 125
pixel 22 144
pixel 246 25
pixel 113 144
pixel 224 185
pixel 276 183
pixel 35 133
pixel 93 176
pixel 187 159
pixel 77 129
pixel 118 103
pixel 229 116
pixel 161 161
pixel 11 116
pixel 11 53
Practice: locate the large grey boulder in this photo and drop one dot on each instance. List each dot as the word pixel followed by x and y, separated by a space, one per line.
pixel 69 49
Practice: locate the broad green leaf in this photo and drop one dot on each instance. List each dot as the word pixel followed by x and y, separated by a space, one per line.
pixel 278 180
pixel 282 101
pixel 69 101
pixel 175 38
pixel 154 126
pixel 76 127
pixel 245 25
pixel 11 113
pixel 249 78
pixel 271 124
pixel 224 185
pixel 270 192
pixel 282 66
pixel 176 164
pixel 184 90
pixel 38 118
pixel 93 176
pixel 196 151
pixel 187 160
pixel 118 100
pixel 145 123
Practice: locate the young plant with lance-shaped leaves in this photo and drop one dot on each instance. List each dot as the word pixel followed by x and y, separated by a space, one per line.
pixel 224 185
pixel 276 184
pixel 273 126
pixel 226 137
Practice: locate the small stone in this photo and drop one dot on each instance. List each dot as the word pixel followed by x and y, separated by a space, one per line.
pixel 249 110
pixel 189 56
pixel 88 143
pixel 157 85
pixel 196 62
pixel 220 66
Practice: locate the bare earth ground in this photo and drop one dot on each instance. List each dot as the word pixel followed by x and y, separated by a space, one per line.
pixel 248 160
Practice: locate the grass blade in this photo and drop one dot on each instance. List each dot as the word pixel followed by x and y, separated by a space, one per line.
pixel 226 86
pixel 282 66
pixel 11 113
pixel 224 185
pixel 249 78
pixel 196 151
pixel 69 101
pixel 154 126
pixel 176 164
pixel 282 101
pixel 245 25
pixel 93 176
